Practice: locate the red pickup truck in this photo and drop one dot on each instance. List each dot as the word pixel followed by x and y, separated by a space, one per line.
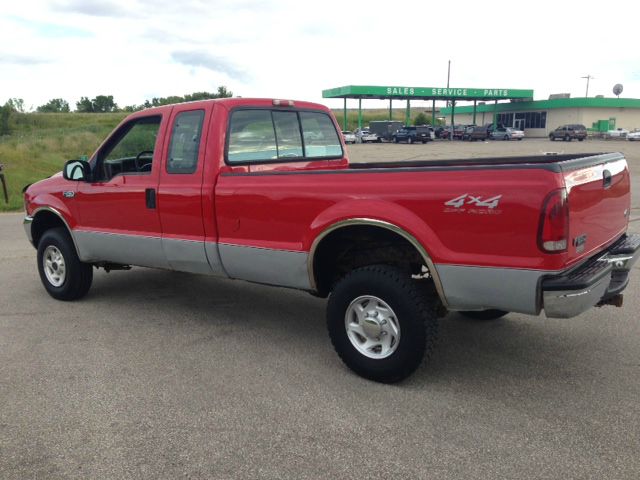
pixel 262 190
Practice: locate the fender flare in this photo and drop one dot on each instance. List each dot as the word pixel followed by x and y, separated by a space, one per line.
pixel 58 214
pixel 433 272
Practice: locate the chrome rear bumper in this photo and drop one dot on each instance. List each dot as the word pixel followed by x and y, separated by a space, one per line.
pixel 592 282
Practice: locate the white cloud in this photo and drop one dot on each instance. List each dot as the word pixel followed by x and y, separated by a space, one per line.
pixel 136 49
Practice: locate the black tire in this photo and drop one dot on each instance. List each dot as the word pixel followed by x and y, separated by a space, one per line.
pixel 412 307
pixel 395 140
pixel 506 137
pixel 580 139
pixel 484 314
pixel 552 138
pixel 77 275
pixel 567 138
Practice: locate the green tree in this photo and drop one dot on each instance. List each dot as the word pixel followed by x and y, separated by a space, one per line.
pixel 5 113
pixel 104 103
pixel 421 119
pixel 16 105
pixel 84 105
pixel 55 105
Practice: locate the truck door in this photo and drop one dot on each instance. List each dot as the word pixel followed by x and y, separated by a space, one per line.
pixel 180 189
pixel 117 210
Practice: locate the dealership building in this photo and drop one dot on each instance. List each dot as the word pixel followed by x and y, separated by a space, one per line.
pixel 538 118
pixel 500 106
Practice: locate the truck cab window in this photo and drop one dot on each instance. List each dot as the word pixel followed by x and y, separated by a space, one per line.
pixel 320 136
pixel 277 135
pixel 130 150
pixel 185 142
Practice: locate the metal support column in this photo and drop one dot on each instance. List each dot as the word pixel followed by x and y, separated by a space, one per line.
pixel 407 113
pixel 475 102
pixel 433 113
pixel 344 123
pixel 453 118
pixel 495 115
pixel 360 113
pixel 390 107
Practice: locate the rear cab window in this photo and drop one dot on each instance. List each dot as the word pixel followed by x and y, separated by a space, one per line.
pixel 272 135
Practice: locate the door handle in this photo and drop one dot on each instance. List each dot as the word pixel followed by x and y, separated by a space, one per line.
pixel 150 197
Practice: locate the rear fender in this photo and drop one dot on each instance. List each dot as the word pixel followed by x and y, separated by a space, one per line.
pixel 379 214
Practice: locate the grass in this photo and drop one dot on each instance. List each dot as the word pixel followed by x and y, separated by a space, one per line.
pixel 40 143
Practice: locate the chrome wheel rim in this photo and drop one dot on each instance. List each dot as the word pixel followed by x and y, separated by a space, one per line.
pixel 54 266
pixel 372 327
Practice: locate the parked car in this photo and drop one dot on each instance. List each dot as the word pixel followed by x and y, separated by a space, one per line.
pixel 349 136
pixel 438 131
pixel 569 132
pixel 392 246
pixel 617 133
pixel 478 133
pixel 633 136
pixel 507 133
pixel 366 136
pixel 412 134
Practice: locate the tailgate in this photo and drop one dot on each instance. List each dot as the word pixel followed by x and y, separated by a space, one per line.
pixel 599 202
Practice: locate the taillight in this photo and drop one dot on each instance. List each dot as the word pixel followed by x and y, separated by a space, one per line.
pixel 553 234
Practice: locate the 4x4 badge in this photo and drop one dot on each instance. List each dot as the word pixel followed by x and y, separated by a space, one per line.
pixel 473 200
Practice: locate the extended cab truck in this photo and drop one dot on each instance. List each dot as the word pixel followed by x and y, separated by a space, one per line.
pixel 261 190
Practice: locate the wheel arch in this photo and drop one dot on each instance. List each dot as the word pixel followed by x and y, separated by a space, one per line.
pixel 45 218
pixel 344 226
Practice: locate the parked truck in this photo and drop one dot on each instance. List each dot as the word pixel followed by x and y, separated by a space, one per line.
pixel 262 190
pixel 385 129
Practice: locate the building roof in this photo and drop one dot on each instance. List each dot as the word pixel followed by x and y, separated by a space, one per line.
pixel 582 102
pixel 426 93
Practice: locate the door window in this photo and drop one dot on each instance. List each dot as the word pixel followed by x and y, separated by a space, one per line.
pixel 130 150
pixel 185 142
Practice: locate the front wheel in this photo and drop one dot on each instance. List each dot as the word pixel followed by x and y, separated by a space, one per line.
pixel 62 273
pixel 382 323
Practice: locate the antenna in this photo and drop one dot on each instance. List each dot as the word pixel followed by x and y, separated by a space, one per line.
pixel 617 89
pixel 588 77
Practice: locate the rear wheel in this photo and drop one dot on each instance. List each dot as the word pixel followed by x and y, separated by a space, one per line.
pixel 506 137
pixel 381 322
pixel 410 140
pixel 567 138
pixel 552 138
pixel 484 314
pixel 62 273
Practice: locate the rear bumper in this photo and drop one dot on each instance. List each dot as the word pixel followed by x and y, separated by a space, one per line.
pixel 596 280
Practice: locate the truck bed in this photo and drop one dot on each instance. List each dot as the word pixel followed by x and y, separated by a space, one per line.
pixel 554 163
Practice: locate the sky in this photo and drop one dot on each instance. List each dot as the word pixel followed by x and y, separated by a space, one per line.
pixel 139 49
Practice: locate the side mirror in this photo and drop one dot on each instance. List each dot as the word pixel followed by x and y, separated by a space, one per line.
pixel 77 170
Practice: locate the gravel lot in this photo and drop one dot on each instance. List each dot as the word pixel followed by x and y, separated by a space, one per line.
pixel 163 375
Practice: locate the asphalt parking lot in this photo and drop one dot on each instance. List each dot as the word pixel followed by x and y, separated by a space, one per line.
pixel 167 375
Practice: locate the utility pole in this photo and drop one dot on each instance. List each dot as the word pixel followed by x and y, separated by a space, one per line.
pixel 588 77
